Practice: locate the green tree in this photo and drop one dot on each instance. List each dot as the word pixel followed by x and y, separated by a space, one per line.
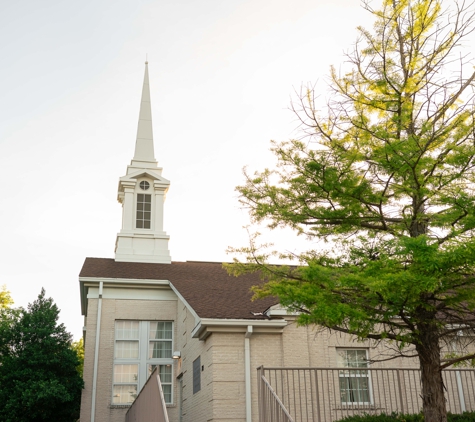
pixel 5 298
pixel 39 380
pixel 78 347
pixel 384 174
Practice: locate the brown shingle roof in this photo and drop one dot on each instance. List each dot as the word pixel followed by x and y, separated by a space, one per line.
pixel 206 286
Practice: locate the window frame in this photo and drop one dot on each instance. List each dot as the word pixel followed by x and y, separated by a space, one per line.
pixel 350 374
pixel 140 214
pixel 143 361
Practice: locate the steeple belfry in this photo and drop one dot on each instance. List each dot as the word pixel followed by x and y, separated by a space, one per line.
pixel 142 195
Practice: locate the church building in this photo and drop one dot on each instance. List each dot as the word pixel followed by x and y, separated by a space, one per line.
pixel 189 321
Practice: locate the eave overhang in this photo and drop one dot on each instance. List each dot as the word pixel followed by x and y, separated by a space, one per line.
pixel 207 326
pixel 86 282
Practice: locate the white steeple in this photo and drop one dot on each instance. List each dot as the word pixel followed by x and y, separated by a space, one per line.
pixel 144 155
pixel 142 195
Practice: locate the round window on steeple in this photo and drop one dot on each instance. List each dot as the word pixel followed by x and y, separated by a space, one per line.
pixel 144 185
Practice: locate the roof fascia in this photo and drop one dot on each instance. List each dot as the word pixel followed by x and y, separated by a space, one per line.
pixel 139 173
pixel 208 325
pixel 188 306
pixel 86 282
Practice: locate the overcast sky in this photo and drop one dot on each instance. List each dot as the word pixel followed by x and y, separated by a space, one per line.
pixel 222 74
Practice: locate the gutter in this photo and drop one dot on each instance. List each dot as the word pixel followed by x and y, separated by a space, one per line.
pixel 247 372
pixel 96 352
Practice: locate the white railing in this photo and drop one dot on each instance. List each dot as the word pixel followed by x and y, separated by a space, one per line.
pixel 330 394
pixel 271 409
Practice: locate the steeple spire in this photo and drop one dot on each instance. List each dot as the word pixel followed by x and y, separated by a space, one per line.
pixel 144 143
pixel 142 195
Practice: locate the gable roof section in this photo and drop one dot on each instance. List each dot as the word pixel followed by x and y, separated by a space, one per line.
pixel 206 286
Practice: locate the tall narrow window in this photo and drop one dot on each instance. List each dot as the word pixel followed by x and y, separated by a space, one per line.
pixel 144 211
pixel 197 375
pixel 140 346
pixel 355 382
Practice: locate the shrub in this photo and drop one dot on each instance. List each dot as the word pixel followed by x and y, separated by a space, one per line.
pixel 398 417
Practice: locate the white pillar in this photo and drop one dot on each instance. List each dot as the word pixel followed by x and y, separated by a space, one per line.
pixel 128 209
pixel 96 353
pixel 247 373
pixel 159 202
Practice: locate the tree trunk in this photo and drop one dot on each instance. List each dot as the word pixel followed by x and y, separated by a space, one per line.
pixel 433 400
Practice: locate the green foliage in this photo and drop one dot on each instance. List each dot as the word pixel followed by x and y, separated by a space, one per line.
pixel 39 380
pixel 383 417
pixel 78 347
pixel 5 299
pixel 386 177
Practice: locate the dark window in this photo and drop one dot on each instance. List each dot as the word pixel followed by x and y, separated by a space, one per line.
pixel 197 375
pixel 144 185
pixel 144 211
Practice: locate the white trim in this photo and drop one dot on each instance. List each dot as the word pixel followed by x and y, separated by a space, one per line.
pixel 123 293
pixel 86 282
pixel 236 323
pixel 188 306
pixel 247 372
pixel 96 353
pixel 124 280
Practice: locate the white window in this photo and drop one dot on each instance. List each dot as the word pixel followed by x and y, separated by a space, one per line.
pixel 140 346
pixel 144 211
pixel 355 382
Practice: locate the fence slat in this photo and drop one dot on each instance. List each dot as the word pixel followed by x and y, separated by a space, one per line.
pixel 328 394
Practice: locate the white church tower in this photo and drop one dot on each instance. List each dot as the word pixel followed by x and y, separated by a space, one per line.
pixel 142 195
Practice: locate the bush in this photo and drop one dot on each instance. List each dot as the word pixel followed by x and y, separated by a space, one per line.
pixel 383 417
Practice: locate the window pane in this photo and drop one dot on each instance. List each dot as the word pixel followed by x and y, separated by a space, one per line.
pixel 165 373
pixel 125 373
pixel 126 349
pixel 160 330
pixel 354 389
pixel 143 214
pixel 352 358
pixel 126 330
pixel 167 393
pixel 124 394
pixel 160 350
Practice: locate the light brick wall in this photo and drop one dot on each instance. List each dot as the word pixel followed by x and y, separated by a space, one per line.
pixel 222 394
pixel 113 309
pixel 196 407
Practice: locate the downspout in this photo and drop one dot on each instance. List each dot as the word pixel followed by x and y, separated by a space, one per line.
pixel 96 352
pixel 247 372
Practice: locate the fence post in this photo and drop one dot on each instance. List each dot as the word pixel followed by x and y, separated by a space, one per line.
pixel 401 399
pixel 260 393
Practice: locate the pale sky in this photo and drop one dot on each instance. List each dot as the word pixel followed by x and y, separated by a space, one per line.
pixel 222 74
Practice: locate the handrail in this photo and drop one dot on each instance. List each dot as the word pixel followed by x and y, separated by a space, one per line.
pixel 330 394
pixel 276 398
pixel 162 396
